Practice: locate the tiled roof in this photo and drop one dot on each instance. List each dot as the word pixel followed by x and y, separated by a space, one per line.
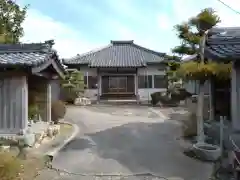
pixel 30 55
pixel 223 43
pixel 118 54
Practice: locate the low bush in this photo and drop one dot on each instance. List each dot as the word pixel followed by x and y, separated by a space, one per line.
pixel 180 94
pixel 163 98
pixel 68 95
pixel 166 100
pixel 58 111
pixel 155 98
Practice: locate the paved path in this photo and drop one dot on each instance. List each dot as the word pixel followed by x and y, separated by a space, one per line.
pixel 126 140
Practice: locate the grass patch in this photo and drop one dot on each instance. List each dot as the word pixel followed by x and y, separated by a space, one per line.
pixel 65 129
pixel 14 168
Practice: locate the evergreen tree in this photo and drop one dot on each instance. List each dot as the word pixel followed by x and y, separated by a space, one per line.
pixel 11 19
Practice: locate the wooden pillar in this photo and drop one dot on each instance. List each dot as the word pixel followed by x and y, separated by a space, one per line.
pixel 98 85
pixel 24 102
pixel 136 86
pixel 45 99
pixel 48 102
pixel 235 98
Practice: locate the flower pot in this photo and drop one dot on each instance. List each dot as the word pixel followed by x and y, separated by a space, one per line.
pixel 206 151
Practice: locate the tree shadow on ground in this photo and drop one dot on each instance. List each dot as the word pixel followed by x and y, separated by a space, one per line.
pixel 148 147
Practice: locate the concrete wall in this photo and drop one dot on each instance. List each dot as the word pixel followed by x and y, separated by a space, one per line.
pixel 13 105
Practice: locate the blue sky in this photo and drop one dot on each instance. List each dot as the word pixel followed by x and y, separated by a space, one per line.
pixel 78 26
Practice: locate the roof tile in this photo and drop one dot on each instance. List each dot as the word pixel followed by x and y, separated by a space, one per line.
pixel 24 54
pixel 118 54
pixel 223 43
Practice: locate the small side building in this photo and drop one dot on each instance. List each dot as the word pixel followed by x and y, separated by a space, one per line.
pixel 26 69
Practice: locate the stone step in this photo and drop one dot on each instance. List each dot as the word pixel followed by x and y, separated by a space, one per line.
pixel 119 101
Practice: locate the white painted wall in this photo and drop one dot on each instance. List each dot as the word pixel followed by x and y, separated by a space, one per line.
pixel 145 93
pixel 90 93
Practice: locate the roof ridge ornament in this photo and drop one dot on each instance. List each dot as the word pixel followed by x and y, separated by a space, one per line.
pixel 122 42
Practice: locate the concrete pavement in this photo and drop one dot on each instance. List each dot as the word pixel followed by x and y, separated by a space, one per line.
pixel 126 140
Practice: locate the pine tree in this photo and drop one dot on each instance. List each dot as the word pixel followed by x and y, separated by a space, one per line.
pixel 191 35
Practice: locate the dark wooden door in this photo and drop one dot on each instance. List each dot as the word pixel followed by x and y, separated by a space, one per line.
pixel 130 84
pixel 118 84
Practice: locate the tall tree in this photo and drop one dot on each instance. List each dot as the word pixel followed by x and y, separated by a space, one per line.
pixel 11 19
pixel 190 34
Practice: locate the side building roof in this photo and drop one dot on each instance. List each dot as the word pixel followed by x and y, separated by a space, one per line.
pixel 223 43
pixel 34 56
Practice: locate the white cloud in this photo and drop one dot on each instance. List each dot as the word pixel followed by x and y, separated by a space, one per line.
pixel 68 41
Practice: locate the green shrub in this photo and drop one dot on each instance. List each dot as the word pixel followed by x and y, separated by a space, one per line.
pixel 69 95
pixel 58 111
pixel 180 94
pixel 33 111
pixel 164 99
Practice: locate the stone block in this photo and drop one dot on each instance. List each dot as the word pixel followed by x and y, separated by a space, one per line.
pixel 82 101
pixel 56 129
pixel 29 139
pixel 50 132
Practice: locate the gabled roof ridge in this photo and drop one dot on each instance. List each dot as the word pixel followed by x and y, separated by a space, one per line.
pixel 148 50
pixel 45 47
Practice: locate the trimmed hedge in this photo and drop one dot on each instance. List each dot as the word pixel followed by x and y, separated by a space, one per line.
pixel 180 94
pixel 163 98
pixel 169 100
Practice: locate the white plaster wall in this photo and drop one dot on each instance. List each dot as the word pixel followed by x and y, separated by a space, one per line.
pixel 145 94
pixel 90 93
